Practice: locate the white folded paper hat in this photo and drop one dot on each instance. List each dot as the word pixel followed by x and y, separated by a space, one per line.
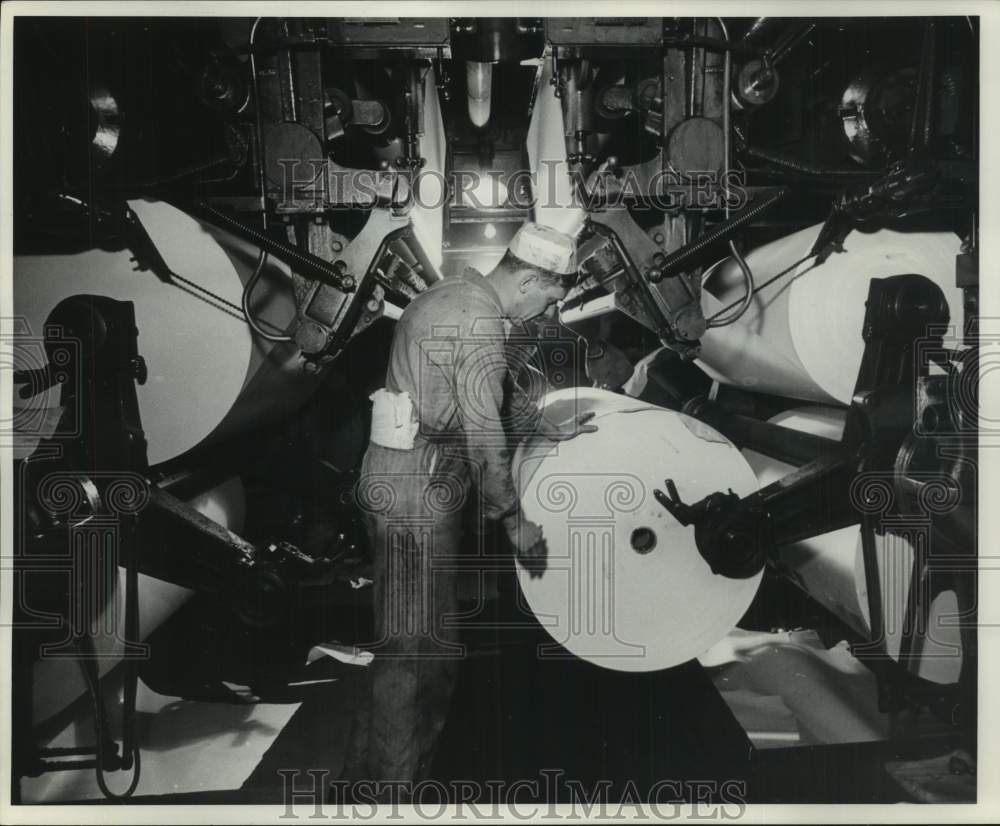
pixel 546 248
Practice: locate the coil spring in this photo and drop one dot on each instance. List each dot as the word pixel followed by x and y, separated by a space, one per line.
pixel 676 260
pixel 305 262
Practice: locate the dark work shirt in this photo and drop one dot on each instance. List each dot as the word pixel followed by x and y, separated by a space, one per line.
pixel 448 352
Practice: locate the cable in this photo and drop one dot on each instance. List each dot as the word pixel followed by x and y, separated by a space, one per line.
pixel 201 167
pixel 183 173
pixel 247 290
pixel 238 165
pixel 262 181
pixel 711 270
pixel 236 308
pixel 726 113
pixel 767 283
pixel 88 665
pixel 259 136
pixel 715 321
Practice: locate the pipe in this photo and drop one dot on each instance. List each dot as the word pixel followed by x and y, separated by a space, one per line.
pixel 479 87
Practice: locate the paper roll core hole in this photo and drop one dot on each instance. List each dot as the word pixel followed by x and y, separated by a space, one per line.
pixel 643 540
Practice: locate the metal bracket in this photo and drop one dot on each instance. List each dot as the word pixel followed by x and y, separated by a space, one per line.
pixel 328 317
pixel 671 307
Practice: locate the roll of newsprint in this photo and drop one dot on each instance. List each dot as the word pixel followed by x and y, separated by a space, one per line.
pixel 801 335
pixel 209 376
pixel 625 586
pixel 830 568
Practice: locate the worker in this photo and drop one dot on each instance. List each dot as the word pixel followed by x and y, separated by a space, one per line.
pixel 438 437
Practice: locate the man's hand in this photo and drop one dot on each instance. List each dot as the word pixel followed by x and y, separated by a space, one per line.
pixel 568 430
pixel 529 544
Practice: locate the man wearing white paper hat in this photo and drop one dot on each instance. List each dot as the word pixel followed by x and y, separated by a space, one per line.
pixel 438 435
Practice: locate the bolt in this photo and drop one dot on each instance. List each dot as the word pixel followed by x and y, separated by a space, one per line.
pixel 347 283
pixel 654 275
pixel 372 305
pixel 336 246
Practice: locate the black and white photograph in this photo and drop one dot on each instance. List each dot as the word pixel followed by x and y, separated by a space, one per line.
pixel 456 417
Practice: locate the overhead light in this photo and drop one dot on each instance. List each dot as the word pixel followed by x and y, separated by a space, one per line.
pixel 489 232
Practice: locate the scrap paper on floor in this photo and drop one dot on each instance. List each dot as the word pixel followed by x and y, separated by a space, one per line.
pixel 350 654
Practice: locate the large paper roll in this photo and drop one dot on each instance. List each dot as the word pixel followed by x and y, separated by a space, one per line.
pixel 555 202
pixel 209 378
pixel 801 336
pixel 830 568
pixel 428 208
pixel 625 586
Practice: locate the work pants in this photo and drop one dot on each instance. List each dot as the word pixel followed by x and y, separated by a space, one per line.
pixel 414 522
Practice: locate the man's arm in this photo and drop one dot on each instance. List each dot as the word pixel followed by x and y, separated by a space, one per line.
pixel 479 395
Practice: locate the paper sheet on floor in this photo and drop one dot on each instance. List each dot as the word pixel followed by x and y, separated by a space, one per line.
pixel 350 654
pixel 768 722
pixel 933 781
pixel 187 746
pixel 830 694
